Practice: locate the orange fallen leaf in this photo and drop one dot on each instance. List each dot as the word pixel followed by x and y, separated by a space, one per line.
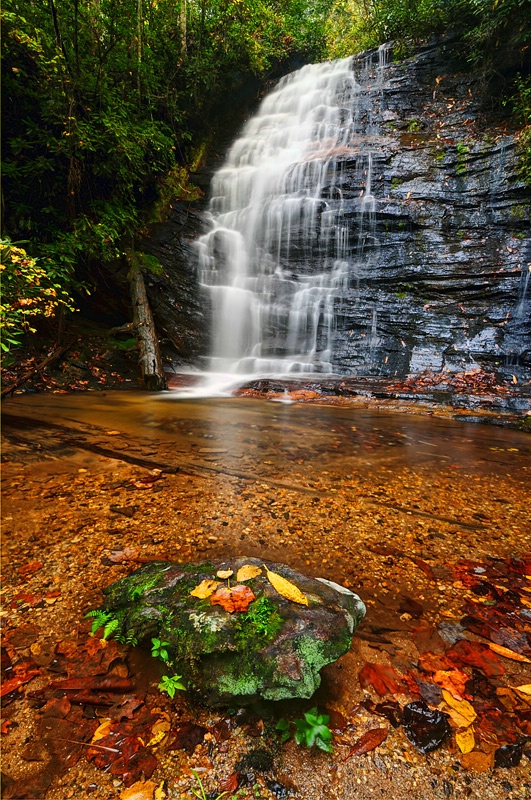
pixel 477 761
pixel 205 589
pixel 238 598
pixel 141 790
pixel 102 730
pixel 453 680
pixel 504 651
pixel 286 588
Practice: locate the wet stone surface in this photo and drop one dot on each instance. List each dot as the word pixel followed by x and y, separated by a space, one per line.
pixel 240 629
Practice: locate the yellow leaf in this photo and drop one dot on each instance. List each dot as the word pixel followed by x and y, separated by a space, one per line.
pixel 158 737
pixel 247 572
pixel 205 589
pixel 102 730
pixel 286 588
pixel 504 651
pixel 461 712
pixel 224 573
pixel 160 794
pixel 465 740
pixel 525 688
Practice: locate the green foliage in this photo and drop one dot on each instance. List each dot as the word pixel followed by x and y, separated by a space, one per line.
pixel 258 625
pixel 32 288
pixel 104 102
pixel 200 792
pixel 521 102
pixel 170 684
pixel 158 650
pixel 105 620
pixel 311 731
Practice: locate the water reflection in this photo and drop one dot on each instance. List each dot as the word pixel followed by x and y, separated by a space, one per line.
pixel 273 440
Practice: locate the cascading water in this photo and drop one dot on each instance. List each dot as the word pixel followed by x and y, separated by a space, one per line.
pixel 279 255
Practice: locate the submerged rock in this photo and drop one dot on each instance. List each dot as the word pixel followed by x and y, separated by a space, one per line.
pixel 273 649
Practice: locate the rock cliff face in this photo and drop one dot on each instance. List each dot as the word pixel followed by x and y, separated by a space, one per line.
pixel 444 278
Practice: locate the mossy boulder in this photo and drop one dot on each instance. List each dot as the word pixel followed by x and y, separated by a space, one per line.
pixel 273 649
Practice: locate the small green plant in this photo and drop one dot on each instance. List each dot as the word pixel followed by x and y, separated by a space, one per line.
pixel 414 126
pixel 462 151
pixel 310 731
pixel 105 620
pixel 158 650
pixel 170 684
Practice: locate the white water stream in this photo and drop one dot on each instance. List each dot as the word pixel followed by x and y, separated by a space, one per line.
pixel 278 255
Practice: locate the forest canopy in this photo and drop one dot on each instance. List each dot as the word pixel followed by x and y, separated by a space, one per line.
pixel 106 102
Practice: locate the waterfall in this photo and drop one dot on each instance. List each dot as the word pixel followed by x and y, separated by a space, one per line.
pixel 279 253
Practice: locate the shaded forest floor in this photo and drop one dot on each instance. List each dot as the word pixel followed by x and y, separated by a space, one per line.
pixel 437 554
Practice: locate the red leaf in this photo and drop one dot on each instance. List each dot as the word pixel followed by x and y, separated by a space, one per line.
pixel 424 566
pixel 24 673
pixel 382 678
pixel 105 683
pixel 369 741
pixel 30 569
pixel 239 598
pixel 476 654
pixel 187 736
pixel 5 725
pixel 230 784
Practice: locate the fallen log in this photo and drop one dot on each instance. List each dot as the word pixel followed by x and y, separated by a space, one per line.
pixel 148 345
pixel 57 353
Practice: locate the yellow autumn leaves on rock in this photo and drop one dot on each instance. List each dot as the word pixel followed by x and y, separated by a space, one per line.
pixel 286 588
pixel 247 572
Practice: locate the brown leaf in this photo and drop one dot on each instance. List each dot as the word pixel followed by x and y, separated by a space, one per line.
pixel 121 556
pixel 424 566
pixel 230 784
pixel 381 677
pixel 187 736
pixel 369 741
pixel 239 598
pixel 477 761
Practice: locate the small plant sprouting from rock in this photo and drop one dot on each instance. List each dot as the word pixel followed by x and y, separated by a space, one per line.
pixel 310 731
pixel 105 620
pixel 168 683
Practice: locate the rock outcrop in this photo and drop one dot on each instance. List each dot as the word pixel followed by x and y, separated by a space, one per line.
pixel 264 645
pixel 439 279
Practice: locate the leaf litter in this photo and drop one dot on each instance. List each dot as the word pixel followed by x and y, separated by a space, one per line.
pixel 80 683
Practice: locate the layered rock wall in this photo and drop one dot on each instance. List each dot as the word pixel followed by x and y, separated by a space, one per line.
pixel 441 277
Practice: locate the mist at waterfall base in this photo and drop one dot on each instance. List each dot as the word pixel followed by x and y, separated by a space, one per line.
pixel 273 302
